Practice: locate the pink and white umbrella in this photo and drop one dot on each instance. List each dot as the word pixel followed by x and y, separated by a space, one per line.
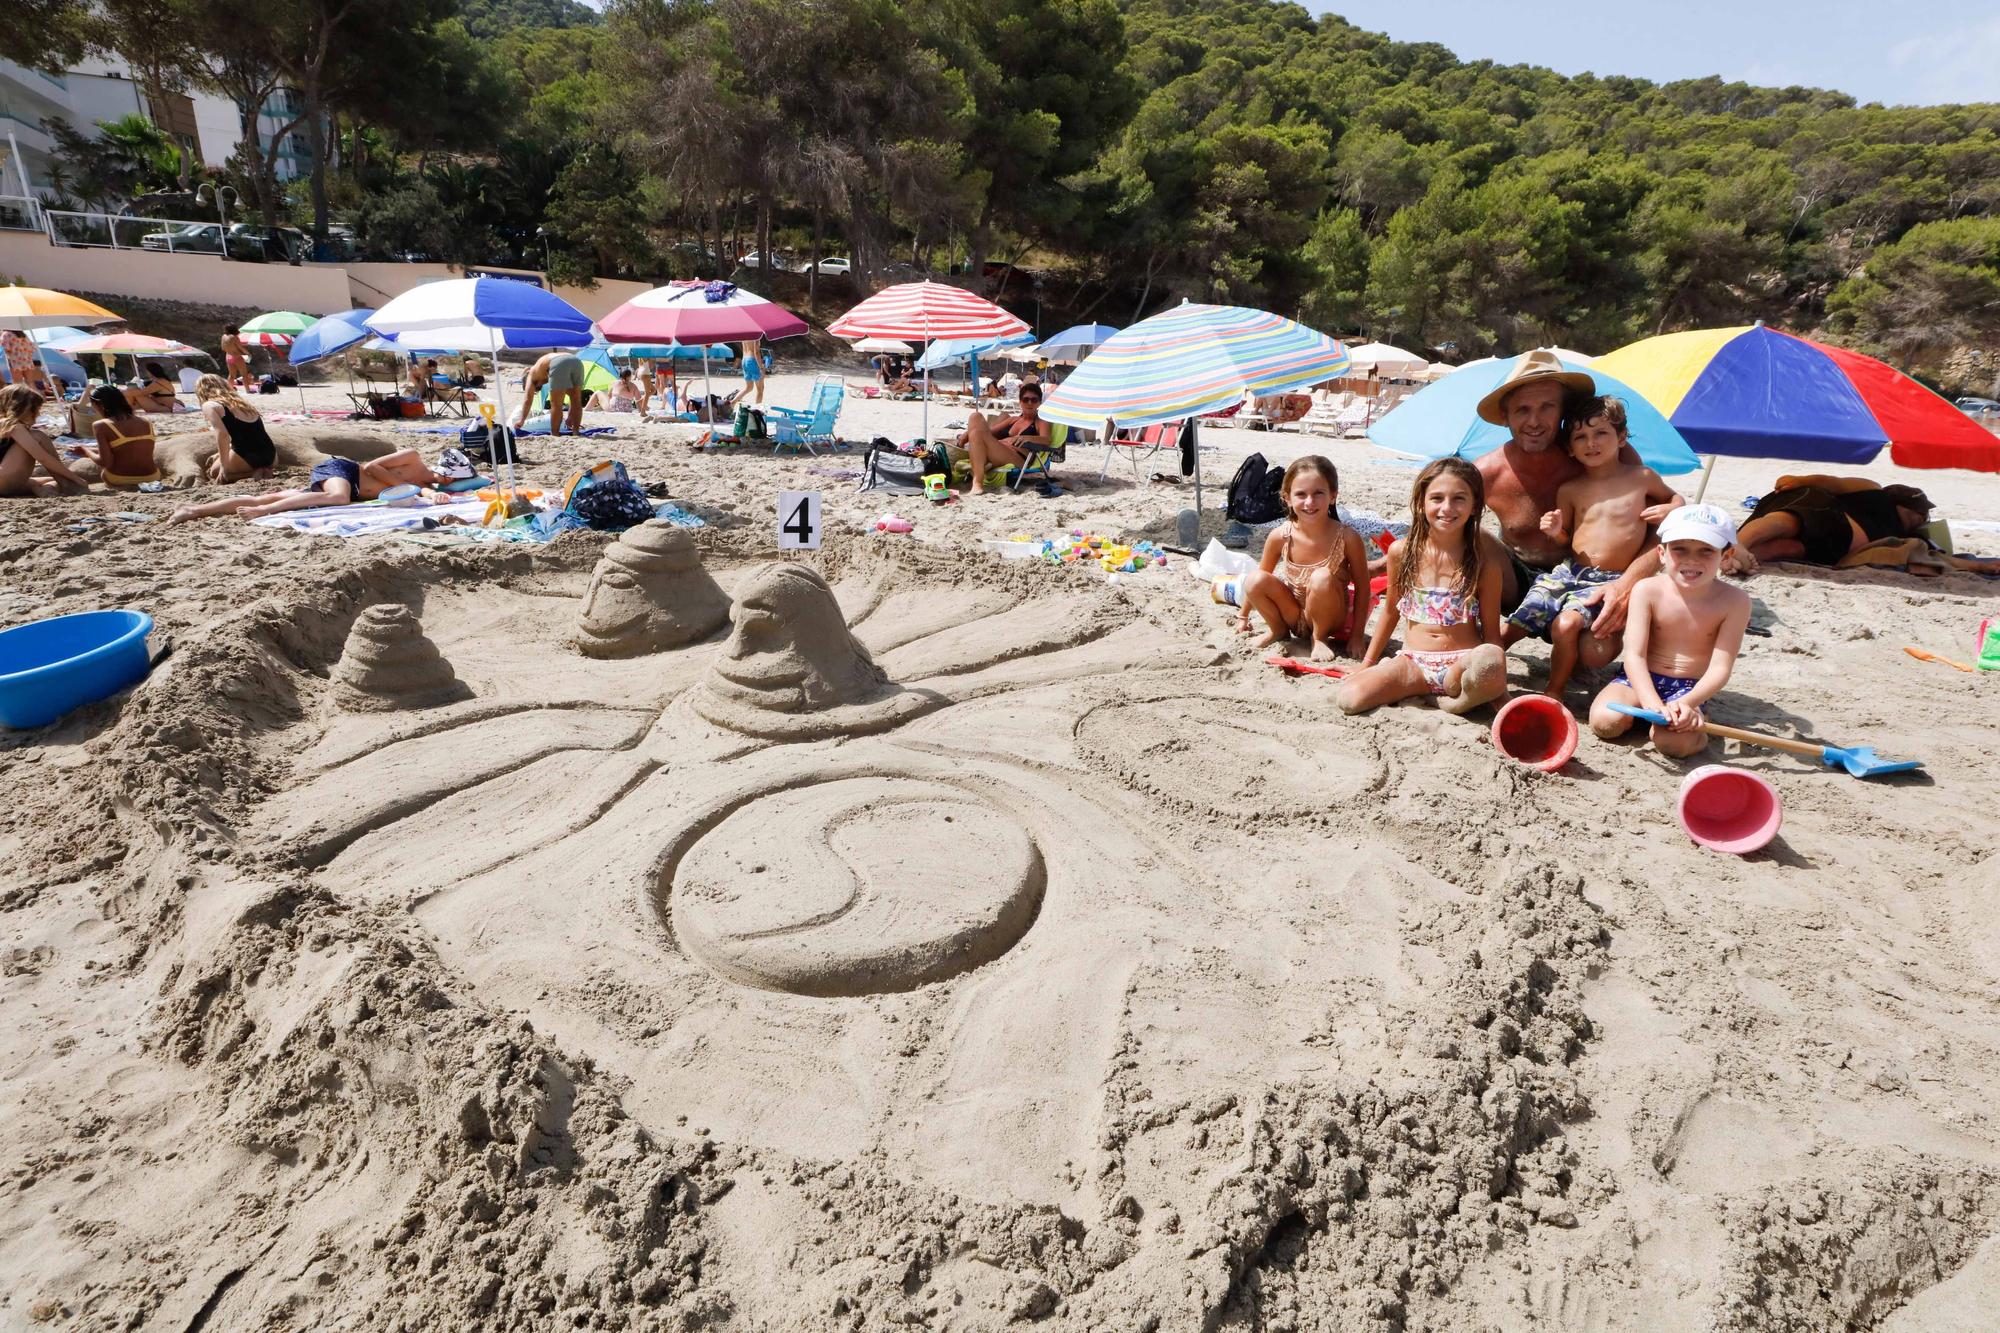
pixel 265 339
pixel 131 344
pixel 930 311
pixel 699 312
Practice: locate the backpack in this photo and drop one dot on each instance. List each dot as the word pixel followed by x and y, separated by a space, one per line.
pixel 1256 492
pixel 474 441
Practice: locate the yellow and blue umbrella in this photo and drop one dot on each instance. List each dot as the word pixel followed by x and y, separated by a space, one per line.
pixel 1755 392
pixel 1443 418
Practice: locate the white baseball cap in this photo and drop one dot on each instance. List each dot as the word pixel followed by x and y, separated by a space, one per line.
pixel 1699 523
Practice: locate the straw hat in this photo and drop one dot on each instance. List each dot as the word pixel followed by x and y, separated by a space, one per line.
pixel 1531 368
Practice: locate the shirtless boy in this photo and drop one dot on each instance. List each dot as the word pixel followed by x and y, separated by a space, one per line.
pixel 1683 634
pixel 1603 515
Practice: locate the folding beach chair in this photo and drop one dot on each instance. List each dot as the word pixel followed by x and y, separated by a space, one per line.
pixel 802 428
pixel 1038 461
pixel 1150 440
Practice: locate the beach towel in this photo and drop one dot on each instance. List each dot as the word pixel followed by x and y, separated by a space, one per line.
pixel 370 519
pixel 543 527
pixel 1914 555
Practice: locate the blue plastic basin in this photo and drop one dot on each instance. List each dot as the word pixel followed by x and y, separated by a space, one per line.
pixel 51 666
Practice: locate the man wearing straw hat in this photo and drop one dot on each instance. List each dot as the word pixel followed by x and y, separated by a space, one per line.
pixel 1534 402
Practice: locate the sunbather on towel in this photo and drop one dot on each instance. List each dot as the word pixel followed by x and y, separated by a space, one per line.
pixel 22 446
pixel 337 481
pixel 1821 520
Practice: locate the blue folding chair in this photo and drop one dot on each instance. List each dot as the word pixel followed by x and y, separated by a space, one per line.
pixel 802 428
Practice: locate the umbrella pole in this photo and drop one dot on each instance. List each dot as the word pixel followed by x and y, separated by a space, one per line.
pixel 500 423
pixel 1707 467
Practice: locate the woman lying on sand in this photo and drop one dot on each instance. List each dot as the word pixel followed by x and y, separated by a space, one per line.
pixel 22 446
pixel 125 440
pixel 337 481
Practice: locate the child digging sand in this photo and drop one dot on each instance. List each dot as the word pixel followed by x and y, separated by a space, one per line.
pixel 1310 563
pixel 1682 634
pixel 1444 579
pixel 1603 517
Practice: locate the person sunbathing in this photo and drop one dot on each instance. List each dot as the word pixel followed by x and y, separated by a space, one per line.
pixel 124 448
pixel 22 446
pixel 1004 443
pixel 154 392
pixel 623 396
pixel 336 481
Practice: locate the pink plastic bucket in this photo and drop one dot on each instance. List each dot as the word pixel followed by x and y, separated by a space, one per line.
pixel 1535 730
pixel 1728 809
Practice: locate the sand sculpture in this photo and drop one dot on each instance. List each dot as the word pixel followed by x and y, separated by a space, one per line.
pixel 792 670
pixel 390 664
pixel 649 593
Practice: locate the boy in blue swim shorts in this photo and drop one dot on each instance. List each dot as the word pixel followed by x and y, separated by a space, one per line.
pixel 1682 633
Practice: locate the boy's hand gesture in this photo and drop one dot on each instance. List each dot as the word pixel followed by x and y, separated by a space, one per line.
pixel 1654 513
pixel 1682 715
pixel 1552 524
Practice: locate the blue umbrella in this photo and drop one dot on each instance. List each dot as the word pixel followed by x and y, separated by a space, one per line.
pixel 335 333
pixel 1443 419
pixel 482 315
pixel 1074 344
pixel 950 351
pixel 672 351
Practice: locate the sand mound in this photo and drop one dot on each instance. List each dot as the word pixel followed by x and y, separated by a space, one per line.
pixel 792 669
pixel 649 593
pixel 388 664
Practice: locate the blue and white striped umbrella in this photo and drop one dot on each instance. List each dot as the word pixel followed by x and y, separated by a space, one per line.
pixel 1443 418
pixel 324 337
pixel 1190 361
pixel 482 315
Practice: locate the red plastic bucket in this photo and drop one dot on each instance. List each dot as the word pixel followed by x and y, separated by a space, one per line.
pixel 1535 730
pixel 1728 809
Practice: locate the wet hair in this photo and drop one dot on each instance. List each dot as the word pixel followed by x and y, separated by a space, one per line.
pixel 1419 540
pixel 19 404
pixel 1308 463
pixel 110 401
pixel 1610 410
pixel 215 389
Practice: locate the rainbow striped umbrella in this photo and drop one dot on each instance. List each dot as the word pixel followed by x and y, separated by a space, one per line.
pixel 1755 392
pixel 1188 361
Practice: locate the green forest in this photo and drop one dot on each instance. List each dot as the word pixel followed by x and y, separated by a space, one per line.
pixel 1111 157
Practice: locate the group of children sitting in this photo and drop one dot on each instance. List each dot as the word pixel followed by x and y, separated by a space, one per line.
pixel 1683 630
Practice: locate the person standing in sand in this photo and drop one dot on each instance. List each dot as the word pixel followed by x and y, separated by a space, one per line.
pixel 1685 632
pixel 563 373
pixel 235 360
pixel 1522 477
pixel 753 375
pixel 1605 515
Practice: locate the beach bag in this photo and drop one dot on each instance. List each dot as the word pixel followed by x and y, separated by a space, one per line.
pixel 750 424
pixel 267 384
pixel 889 469
pixel 477 445
pixel 384 407
pixel 1255 492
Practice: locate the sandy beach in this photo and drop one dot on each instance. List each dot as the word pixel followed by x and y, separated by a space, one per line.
pixel 950 942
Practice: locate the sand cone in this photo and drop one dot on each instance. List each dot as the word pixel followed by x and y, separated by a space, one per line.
pixel 388 663
pixel 649 593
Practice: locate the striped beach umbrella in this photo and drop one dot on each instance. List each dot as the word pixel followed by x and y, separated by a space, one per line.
pixel 699 312
pixel 1756 392
pixel 131 344
pixel 1188 361
pixel 926 311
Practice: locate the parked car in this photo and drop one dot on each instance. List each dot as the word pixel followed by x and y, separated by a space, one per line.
pixel 1979 407
pixel 248 242
pixel 198 238
pixel 835 266
pixel 756 260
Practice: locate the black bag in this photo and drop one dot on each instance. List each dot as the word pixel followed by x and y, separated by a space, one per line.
pixel 1256 492
pixel 889 469
pixel 479 446
pixel 267 384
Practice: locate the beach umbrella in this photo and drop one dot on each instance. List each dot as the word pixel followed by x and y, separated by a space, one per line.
pixel 1076 342
pixel 264 339
pixel 1386 361
pixel 25 309
pixel 893 346
pixel 926 311
pixel 482 315
pixel 56 336
pixel 1190 360
pixel 288 322
pixel 135 345
pixel 326 337
pixel 1443 418
pixel 672 352
pixel 1757 392
pixel 951 351
pixel 700 313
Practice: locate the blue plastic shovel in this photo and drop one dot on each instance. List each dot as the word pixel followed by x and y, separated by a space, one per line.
pixel 1859 760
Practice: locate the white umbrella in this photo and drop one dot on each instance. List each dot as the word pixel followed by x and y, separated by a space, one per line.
pixel 1386 361
pixel 892 345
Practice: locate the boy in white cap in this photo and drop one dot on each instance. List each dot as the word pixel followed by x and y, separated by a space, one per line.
pixel 1682 636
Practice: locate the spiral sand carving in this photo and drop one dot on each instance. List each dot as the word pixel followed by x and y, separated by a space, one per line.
pixel 389 663
pixel 648 594
pixel 792 670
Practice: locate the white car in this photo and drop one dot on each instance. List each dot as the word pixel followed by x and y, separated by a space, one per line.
pixel 835 267
pixel 756 260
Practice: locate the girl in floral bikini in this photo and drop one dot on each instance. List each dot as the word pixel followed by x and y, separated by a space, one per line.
pixel 1444 579
pixel 1314 580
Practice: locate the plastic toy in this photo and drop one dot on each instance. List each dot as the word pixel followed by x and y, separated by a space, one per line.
pixel 1729 810
pixel 48 667
pixel 1535 730
pixel 1299 664
pixel 934 487
pixel 893 523
pixel 1860 760
pixel 1989 646
pixel 1923 656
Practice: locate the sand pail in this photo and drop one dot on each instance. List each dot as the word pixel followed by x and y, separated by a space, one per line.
pixel 1227 589
pixel 1535 730
pixel 1728 809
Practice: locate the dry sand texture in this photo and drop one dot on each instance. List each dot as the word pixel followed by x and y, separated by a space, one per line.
pixel 955 944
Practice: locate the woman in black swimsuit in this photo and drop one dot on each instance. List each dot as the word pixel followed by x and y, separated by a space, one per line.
pixel 1005 442
pixel 243 448
pixel 1823 525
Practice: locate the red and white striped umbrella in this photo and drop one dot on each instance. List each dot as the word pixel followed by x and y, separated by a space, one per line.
pixel 699 312
pixel 265 339
pixel 926 310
